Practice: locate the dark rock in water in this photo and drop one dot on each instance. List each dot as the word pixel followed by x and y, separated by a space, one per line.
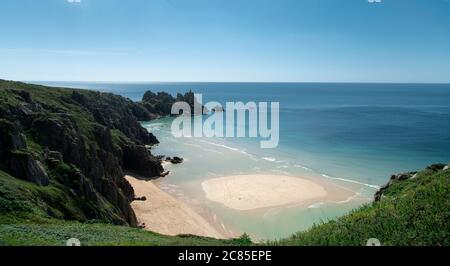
pixel 177 160
pixel 164 174
pixel 174 160
pixel 143 198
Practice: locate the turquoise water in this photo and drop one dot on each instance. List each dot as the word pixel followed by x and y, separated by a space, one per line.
pixel 356 135
pixel 207 158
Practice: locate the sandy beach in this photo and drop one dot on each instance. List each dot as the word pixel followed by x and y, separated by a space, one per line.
pixel 166 215
pixel 250 192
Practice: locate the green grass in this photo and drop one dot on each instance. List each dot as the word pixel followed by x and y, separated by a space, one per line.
pixel 414 212
pixel 33 203
pixel 57 233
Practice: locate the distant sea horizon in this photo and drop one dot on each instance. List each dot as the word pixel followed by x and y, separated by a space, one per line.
pixel 234 82
pixel 345 132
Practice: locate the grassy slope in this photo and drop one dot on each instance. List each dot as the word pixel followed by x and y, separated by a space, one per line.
pixel 413 212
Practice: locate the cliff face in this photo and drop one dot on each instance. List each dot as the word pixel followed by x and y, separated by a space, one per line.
pixel 79 143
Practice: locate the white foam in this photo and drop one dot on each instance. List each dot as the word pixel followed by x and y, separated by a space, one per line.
pixel 280 171
pixel 303 167
pixel 270 159
pixel 348 199
pixel 229 148
pixel 316 205
pixel 271 212
pixel 351 181
pixel 202 148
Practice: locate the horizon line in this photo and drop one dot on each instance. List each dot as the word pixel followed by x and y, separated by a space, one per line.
pixel 260 82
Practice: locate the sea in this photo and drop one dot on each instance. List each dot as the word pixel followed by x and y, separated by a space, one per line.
pixel 353 134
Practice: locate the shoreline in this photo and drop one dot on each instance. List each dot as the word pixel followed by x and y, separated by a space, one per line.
pixel 164 214
pixel 259 192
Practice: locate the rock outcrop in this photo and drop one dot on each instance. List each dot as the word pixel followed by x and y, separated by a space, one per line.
pixel 394 178
pixel 160 104
pixel 82 141
pixel 405 176
pixel 174 160
pixel 16 159
pixel 139 160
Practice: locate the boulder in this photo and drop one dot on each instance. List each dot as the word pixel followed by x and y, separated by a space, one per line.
pixel 174 160
pixel 446 167
pixel 52 158
pixel 143 198
pixel 436 167
pixel 164 174
pixel 177 160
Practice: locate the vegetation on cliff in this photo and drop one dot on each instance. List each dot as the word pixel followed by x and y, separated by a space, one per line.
pixel 63 153
pixel 72 147
pixel 413 209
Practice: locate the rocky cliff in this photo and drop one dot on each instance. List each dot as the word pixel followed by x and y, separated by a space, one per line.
pixel 77 143
pixel 160 104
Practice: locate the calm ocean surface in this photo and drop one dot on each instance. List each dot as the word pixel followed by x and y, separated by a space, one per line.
pixel 355 134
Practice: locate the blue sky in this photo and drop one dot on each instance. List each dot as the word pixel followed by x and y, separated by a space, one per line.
pixel 226 40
